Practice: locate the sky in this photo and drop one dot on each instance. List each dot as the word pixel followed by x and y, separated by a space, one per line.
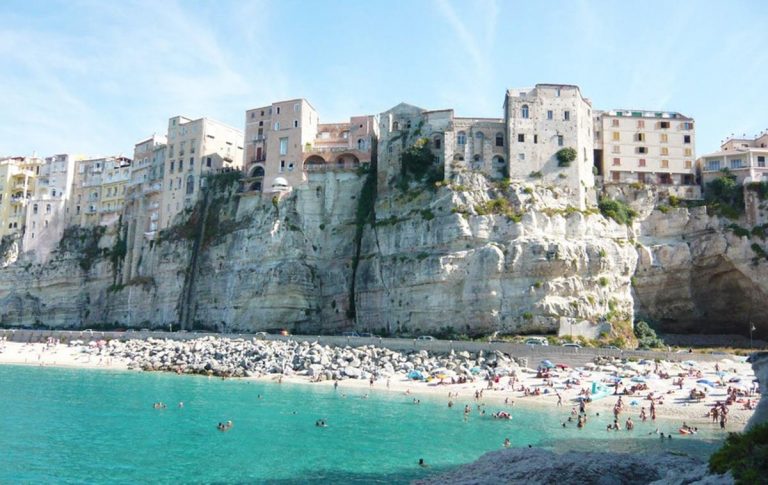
pixel 96 77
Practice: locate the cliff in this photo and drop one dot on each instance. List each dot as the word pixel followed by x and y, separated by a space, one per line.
pixel 467 257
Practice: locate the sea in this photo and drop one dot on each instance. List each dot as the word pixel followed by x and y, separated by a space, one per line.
pixel 97 426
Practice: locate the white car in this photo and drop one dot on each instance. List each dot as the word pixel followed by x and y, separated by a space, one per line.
pixel 426 337
pixel 537 341
pixel 572 345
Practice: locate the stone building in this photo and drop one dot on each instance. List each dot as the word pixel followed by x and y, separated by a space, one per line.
pixel 285 141
pixel 98 191
pixel 18 181
pixel 647 147
pixel 46 211
pixel 539 123
pixel 143 201
pixel 195 149
pixel 743 157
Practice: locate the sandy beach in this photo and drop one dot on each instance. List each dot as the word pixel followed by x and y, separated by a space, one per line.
pixel 672 400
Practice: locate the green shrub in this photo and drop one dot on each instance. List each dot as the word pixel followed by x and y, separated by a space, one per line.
pixel 528 190
pixel 674 201
pixel 498 206
pixel 617 210
pixel 565 156
pixel 427 215
pixel 724 196
pixel 527 316
pixel 739 231
pixel 745 455
pixel 536 175
pixel 603 281
pixel 417 159
pixel 646 336
pixel 761 188
pixel 663 209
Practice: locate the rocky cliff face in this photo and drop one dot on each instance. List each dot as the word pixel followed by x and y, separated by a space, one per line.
pixel 469 257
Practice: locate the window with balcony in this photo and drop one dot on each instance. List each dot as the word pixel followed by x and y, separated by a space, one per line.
pixel 736 163
pixel 283 146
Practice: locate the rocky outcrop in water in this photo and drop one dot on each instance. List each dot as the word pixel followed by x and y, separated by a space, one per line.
pixel 537 466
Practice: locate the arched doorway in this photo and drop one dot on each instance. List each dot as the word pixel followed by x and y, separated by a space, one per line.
pixel 347 160
pixel 257 171
pixel 315 163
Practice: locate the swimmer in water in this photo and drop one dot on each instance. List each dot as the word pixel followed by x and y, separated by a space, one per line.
pixel 507 443
pixel 422 463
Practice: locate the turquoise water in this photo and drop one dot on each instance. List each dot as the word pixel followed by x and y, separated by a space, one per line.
pixel 75 426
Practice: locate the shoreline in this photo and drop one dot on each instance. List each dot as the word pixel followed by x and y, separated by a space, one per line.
pixel 675 408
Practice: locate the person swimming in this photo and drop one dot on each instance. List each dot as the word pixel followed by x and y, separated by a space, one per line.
pixel 422 463
pixel 507 443
pixel 320 423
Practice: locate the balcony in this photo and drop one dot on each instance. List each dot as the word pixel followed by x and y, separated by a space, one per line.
pixel 152 188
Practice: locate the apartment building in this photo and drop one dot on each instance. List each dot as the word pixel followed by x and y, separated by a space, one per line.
pixel 743 157
pixel 143 202
pixel 98 191
pixel 647 147
pixel 18 182
pixel 285 142
pixel 195 148
pixel 46 210
pixel 542 121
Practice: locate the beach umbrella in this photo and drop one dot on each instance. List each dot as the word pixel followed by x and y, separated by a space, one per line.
pixel 475 370
pixel 638 379
pixel 415 375
pixel 547 364
pixel 706 382
pixel 562 366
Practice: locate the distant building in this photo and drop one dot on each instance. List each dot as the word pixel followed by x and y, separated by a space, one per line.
pixel 195 148
pixel 743 157
pixel 18 182
pixel 647 147
pixel 46 210
pixel 542 121
pixel 98 191
pixel 286 141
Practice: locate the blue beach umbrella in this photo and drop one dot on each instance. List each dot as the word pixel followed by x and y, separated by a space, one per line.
pixel 416 375
pixel 547 364
pixel 706 382
pixel 638 379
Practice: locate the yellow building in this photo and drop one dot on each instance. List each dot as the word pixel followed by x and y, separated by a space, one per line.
pixel 17 185
pixel 98 191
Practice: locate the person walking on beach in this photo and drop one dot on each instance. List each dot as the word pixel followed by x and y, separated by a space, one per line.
pixel 559 399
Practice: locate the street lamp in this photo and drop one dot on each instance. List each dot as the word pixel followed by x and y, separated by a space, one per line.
pixel 751 329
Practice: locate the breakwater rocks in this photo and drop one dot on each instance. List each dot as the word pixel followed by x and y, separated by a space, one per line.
pixel 249 358
pixel 537 466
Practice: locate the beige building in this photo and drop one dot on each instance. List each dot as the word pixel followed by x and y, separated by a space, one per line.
pixel 539 123
pixel 18 182
pixel 98 191
pixel 285 141
pixel 647 147
pixel 195 148
pixel 46 215
pixel 743 157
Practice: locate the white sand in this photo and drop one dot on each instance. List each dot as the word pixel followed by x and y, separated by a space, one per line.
pixel 676 403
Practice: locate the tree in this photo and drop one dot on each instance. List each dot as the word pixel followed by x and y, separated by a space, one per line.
pixel 565 156
pixel 418 158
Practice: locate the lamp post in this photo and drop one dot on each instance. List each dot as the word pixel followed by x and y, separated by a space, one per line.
pixel 751 329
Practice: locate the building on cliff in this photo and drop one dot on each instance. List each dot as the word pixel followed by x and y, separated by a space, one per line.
pixel 98 191
pixel 46 210
pixel 18 182
pixel 143 201
pixel 647 147
pixel 286 141
pixel 743 157
pixel 195 148
pixel 540 123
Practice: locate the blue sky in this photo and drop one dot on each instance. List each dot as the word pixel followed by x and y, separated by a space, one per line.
pixel 95 77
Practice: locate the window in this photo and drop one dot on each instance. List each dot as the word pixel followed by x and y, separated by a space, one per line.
pixel 521 156
pixel 616 136
pixel 617 161
pixel 208 162
pixel 713 165
pixel 736 163
pixel 560 140
pixel 641 177
pixel 47 208
pixel 296 107
pixel 664 151
pixel 761 161
pixel 535 138
pixel 686 138
pixel 290 167
pixel 181 165
pixel 566 115
pixel 171 169
pixel 616 176
pixel 283 146
pixel 461 138
pixel 499 139
pixel 524 111
pixel 665 164
pixel 34 209
pixel 615 123
pixel 641 162
pixel 178 182
pixel 191 162
pixel 641 123
pixel 688 125
pixel 190 185
pixel 688 164
pixel 278 110
pixel 550 114
pixel 663 138
pixel 642 150
pixel 664 124
pixel 616 149
pixel 688 152
pixel 277 125
pixel 361 144
pixel 295 123
pixel 640 137
pixel 558 92
pixel 437 142
pixel 395 126
pixel 520 138
pixel 282 165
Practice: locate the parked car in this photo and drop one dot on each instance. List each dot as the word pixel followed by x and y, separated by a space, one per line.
pixel 368 334
pixel 260 335
pixel 537 341
pixel 610 347
pixel 572 345
pixel 350 334
pixel 426 337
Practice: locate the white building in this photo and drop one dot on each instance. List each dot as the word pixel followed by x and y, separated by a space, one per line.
pixel 743 157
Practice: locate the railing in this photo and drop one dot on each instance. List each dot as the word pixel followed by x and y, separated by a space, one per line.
pixel 331 149
pixel 152 188
pixel 330 167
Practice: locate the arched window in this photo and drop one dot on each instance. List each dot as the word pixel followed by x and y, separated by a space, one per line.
pixel 479 135
pixel 190 184
pixel 34 209
pixel 395 126
pixel 499 139
pixel 461 138
pixel 53 193
pixel 525 111
pixel 360 144
pixel 47 208
pixel 438 143
pixel 258 171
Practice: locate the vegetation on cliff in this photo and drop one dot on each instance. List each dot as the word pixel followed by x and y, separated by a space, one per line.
pixel 617 210
pixel 745 455
pixel 725 196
